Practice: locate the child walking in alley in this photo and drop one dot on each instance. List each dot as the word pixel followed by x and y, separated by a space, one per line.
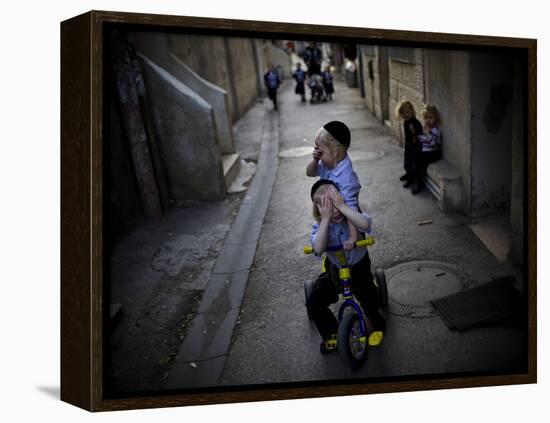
pixel 332 214
pixel 272 82
pixel 430 142
pixel 331 161
pixel 412 128
pixel 299 76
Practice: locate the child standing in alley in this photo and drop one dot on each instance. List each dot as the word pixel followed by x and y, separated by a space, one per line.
pixel 331 161
pixel 332 214
pixel 412 128
pixel 299 76
pixel 430 142
pixel 328 83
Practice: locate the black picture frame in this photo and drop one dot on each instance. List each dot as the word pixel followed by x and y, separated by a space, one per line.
pixel 82 204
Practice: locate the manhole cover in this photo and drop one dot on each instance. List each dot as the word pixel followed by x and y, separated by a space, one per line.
pixel 296 152
pixel 414 284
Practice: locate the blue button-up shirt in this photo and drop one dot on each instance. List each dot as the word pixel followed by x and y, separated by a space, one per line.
pixel 345 178
pixel 337 234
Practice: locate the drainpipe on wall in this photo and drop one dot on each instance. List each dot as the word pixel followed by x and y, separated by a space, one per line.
pixel 361 70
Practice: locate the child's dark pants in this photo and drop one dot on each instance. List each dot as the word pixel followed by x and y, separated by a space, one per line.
pixel 325 292
pixel 424 158
pixel 272 94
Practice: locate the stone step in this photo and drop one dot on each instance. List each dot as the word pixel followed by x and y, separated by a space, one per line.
pixel 231 168
pixel 445 183
pixel 494 232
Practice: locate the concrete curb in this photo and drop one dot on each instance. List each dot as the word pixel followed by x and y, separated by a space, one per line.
pixel 201 357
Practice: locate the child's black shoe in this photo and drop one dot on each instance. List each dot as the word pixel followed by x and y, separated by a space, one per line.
pixel 408 184
pixel 404 177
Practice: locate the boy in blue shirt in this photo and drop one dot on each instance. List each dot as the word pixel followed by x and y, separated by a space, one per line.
pixel 331 161
pixel 331 213
pixel 272 82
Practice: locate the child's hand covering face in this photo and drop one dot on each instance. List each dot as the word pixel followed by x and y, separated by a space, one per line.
pixel 317 153
pixel 335 197
pixel 325 207
pixel 324 154
pixel 328 211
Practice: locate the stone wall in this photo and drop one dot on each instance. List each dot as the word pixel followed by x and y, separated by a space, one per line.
pixel 406 83
pixel 185 130
pixel 242 63
pixel 371 78
pixel 492 128
pixel 280 59
pixel 388 80
pixel 123 205
pixel 227 62
pixel 447 76
pixel 480 99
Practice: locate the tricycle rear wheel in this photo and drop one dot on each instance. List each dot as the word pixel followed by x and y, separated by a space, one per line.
pixel 308 287
pixel 380 280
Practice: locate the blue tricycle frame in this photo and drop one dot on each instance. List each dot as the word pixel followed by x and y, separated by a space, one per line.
pixel 351 323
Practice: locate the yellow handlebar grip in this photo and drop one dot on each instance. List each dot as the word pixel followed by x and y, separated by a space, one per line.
pixel 365 242
pixel 308 249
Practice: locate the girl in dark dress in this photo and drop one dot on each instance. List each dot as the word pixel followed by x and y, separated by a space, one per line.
pixel 412 128
pixel 328 83
pixel 300 76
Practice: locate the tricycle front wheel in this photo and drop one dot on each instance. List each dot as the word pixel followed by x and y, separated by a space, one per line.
pixel 352 343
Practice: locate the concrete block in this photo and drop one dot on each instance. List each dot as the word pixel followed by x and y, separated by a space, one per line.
pixel 213 95
pixel 445 183
pixel 231 167
pixel 185 128
pixel 157 48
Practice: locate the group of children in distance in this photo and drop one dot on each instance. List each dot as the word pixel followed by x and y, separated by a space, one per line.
pixel 321 85
pixel 339 219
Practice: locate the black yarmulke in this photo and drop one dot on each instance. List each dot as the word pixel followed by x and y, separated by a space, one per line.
pixel 320 182
pixel 340 131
